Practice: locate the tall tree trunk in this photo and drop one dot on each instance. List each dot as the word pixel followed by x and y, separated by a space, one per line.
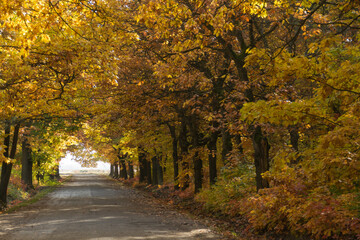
pixel 212 147
pixel 198 165
pixel 184 147
pixel 142 166
pixel 175 155
pixel 148 172
pixel 226 145
pixel 111 170
pixel 160 174
pixel 155 163
pixel 123 172
pixel 294 140
pixel 7 167
pixel 57 172
pixel 131 170
pixel 27 164
pixel 261 157
pixel 198 175
pixel 116 170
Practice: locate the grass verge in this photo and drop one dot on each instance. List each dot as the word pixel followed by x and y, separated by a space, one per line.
pixel 39 194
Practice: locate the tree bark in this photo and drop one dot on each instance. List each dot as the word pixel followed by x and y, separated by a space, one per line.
pixel 160 174
pixel 155 163
pixel 7 167
pixel 212 147
pixel 131 170
pixel 198 165
pixel 111 170
pixel 27 164
pixel 148 171
pixel 142 166
pixel 145 168
pixel 226 145
pixel 294 138
pixel 116 170
pixel 123 171
pixel 175 155
pixel 261 157
pixel 184 147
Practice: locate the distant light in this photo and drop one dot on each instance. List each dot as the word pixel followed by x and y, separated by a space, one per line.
pixel 68 164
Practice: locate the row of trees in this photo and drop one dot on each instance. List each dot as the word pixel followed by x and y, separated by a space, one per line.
pixel 257 99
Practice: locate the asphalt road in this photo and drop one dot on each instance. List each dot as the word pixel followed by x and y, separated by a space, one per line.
pixel 90 207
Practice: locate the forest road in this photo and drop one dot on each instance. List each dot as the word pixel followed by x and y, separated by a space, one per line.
pixel 90 207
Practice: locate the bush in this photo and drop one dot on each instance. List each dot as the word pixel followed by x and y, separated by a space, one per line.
pixel 292 205
pixel 227 195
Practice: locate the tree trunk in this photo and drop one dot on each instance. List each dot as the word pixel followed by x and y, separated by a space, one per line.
pixel 212 147
pixel 111 170
pixel 261 157
pixel 198 165
pixel 57 172
pixel 197 172
pixel 175 155
pixel 142 167
pixel 131 170
pixel 294 140
pixel 160 174
pixel 7 167
pixel 27 164
pixel 123 172
pixel 155 163
pixel 116 170
pixel 226 145
pixel 184 147
pixel 148 171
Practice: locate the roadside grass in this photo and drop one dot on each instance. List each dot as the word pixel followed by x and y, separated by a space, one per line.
pixel 20 198
pixel 39 195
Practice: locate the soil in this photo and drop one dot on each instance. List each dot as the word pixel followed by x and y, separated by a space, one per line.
pixel 92 206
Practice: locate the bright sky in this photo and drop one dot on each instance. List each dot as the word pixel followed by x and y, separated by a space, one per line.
pixel 69 164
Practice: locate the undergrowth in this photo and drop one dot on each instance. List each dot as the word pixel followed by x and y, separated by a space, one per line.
pixel 17 195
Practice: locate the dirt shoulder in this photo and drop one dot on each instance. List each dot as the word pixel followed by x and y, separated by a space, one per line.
pixel 228 226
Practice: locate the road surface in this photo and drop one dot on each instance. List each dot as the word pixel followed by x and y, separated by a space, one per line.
pixel 90 207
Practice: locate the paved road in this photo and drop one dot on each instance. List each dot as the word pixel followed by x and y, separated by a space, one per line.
pixel 92 207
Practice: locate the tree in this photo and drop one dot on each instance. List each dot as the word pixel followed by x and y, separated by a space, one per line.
pixel 9 154
pixel 26 163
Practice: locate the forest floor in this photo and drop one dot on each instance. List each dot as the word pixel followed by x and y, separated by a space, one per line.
pixel 91 206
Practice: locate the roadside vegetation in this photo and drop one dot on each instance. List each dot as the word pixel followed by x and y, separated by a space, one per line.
pixel 19 197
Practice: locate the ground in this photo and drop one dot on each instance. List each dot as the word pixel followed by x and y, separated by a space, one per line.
pixel 91 206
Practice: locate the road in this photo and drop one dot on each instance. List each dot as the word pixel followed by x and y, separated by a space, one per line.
pixel 90 207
